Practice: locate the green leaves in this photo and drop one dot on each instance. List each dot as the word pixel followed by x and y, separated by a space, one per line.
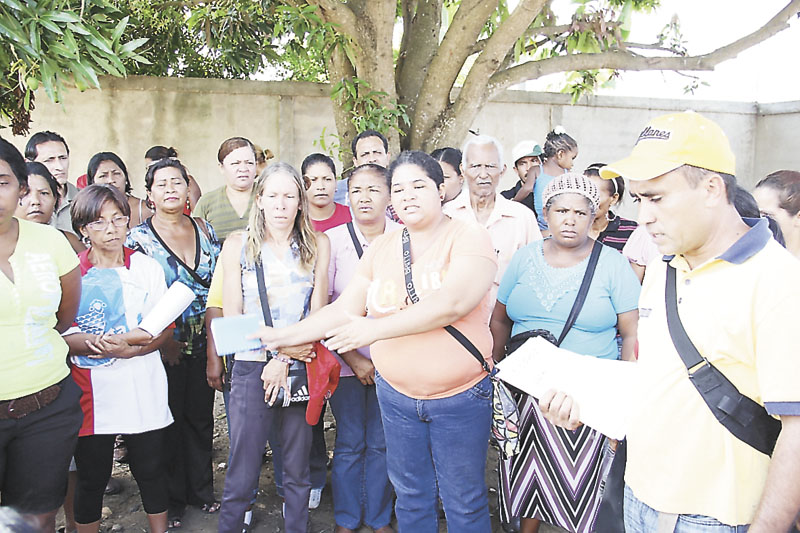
pixel 369 109
pixel 57 43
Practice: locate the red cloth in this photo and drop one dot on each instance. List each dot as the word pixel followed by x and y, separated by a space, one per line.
pixel 82 181
pixel 341 215
pixel 323 378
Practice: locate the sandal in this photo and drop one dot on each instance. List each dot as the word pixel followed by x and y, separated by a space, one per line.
pixel 174 520
pixel 210 508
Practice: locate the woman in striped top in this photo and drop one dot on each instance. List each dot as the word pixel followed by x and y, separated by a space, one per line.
pixel 609 228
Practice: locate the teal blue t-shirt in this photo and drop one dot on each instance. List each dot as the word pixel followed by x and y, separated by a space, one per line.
pixel 539 296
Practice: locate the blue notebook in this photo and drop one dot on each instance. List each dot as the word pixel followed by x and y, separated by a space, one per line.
pixel 231 333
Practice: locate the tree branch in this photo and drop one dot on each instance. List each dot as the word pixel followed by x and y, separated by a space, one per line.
pixel 642 46
pixel 464 29
pixel 423 33
pixel 473 94
pixel 626 60
pixel 339 14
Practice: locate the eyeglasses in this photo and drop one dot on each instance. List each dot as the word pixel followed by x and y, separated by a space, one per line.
pixel 101 224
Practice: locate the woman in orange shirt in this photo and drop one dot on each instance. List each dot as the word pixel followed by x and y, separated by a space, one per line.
pixel 435 397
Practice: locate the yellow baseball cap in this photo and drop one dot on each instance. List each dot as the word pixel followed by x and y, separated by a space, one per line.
pixel 671 141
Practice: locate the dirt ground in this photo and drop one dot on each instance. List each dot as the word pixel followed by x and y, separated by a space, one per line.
pixel 123 512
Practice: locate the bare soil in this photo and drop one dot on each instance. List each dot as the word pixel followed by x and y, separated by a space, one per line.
pixel 123 512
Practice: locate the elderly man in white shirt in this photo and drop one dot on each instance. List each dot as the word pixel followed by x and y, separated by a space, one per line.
pixel 510 224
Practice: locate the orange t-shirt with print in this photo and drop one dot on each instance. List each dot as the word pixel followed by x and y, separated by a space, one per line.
pixel 431 364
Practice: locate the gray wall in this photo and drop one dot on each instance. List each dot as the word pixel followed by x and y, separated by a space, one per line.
pixel 195 115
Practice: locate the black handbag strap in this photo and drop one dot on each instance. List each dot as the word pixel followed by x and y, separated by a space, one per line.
pixel 262 292
pixel 191 271
pixel 744 418
pixel 582 291
pixel 352 231
pixel 412 294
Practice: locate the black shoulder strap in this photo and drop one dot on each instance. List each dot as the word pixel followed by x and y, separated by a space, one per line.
pixel 744 418
pixel 352 231
pixel 412 295
pixel 582 291
pixel 262 292
pixel 191 271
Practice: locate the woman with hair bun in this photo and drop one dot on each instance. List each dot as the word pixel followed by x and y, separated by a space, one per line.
pixel 560 151
pixel 450 161
pixel 778 197
pixel 154 153
pixel 187 250
pixel 608 227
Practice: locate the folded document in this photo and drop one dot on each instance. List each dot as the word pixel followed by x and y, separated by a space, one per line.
pixel 602 388
pixel 231 333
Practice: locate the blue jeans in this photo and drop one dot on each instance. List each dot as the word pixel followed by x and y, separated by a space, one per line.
pixel 640 518
pixel 361 489
pixel 440 444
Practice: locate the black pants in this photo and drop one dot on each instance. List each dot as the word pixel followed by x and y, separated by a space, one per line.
pixel 94 457
pixel 189 439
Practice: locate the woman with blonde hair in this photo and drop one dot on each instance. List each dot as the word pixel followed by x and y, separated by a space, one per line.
pixel 293 260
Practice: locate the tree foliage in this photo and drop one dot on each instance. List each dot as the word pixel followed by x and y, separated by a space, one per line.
pixel 425 90
pixel 55 43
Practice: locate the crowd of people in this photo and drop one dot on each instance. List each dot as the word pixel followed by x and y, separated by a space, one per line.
pixel 418 274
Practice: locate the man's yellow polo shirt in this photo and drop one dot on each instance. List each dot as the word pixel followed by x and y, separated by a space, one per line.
pixel 741 311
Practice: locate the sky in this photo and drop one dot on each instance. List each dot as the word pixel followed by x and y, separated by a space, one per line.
pixel 767 72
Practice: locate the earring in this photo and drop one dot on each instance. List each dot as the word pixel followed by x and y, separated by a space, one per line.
pixel 610 216
pixel 85 240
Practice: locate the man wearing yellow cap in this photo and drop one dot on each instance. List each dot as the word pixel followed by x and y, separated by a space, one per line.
pixel 698 449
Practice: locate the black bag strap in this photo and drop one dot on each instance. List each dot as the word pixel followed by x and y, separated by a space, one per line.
pixel 412 294
pixel 582 291
pixel 191 271
pixel 352 231
pixel 744 418
pixel 262 292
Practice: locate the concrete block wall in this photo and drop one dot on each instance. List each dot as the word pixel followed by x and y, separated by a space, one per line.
pixel 195 115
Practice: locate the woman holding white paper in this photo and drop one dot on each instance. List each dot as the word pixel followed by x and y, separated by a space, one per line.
pixel 556 476
pixel 187 250
pixel 116 364
pixel 295 267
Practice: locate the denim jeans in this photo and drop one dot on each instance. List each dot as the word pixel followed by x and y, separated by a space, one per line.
pixel 640 518
pixel 361 489
pixel 438 443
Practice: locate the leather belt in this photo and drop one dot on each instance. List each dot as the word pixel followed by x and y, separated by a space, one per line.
pixel 25 405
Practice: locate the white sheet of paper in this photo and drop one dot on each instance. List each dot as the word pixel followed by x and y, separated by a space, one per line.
pixel 603 389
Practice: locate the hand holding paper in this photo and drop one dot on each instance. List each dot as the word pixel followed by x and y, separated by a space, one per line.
pixel 601 389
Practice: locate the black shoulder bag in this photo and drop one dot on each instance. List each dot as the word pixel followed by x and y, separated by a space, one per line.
pixel 744 418
pixel 505 415
pixel 298 377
